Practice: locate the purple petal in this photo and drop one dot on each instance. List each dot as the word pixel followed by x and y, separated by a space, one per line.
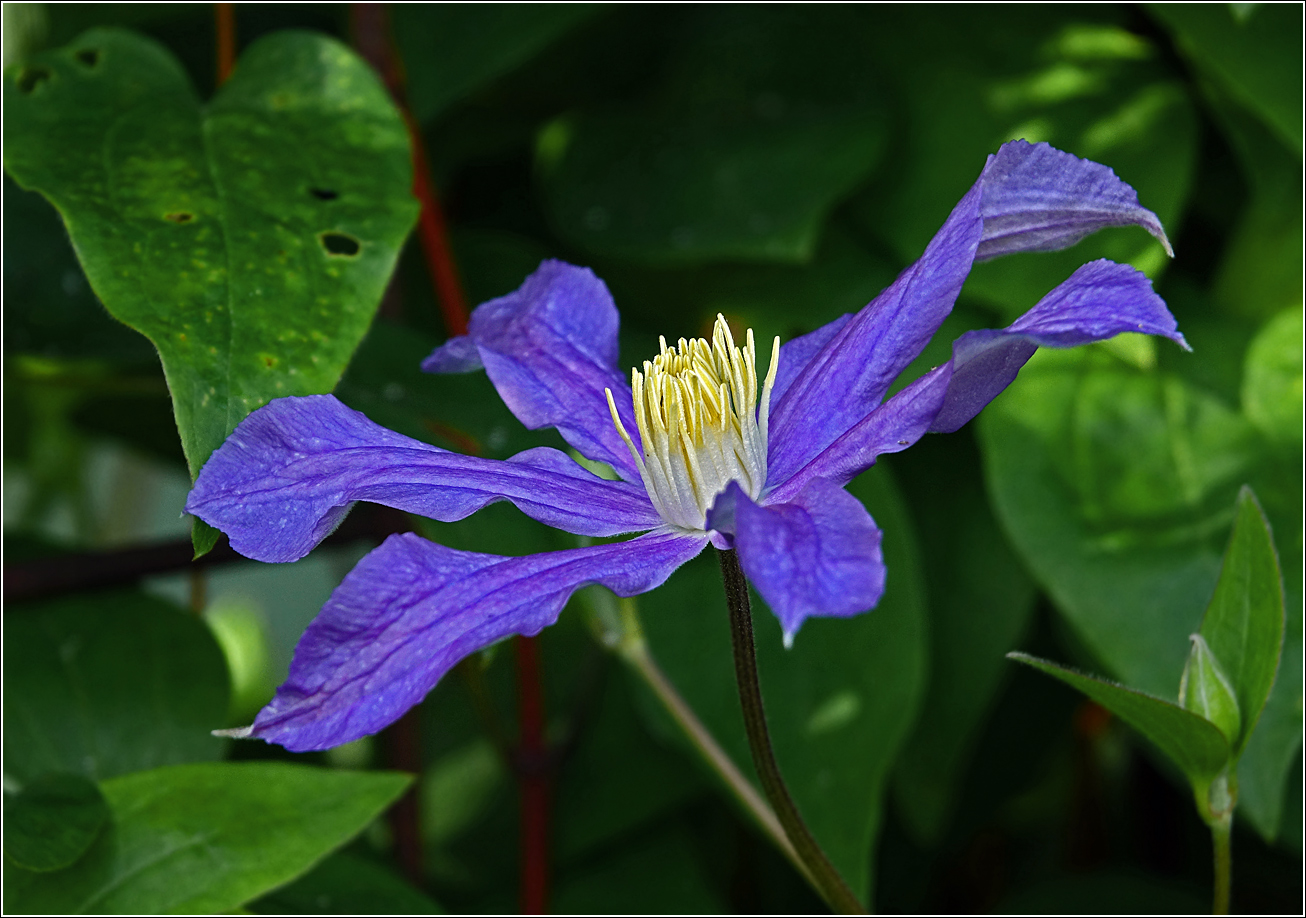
pixel 288 474
pixel 1039 199
pixel 1029 197
pixel 1100 300
pixel 550 348
pixel 817 554
pixel 412 609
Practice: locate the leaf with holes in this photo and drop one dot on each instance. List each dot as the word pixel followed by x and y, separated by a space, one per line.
pixel 249 239
pixel 206 838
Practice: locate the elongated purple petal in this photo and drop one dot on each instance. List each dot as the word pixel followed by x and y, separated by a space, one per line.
pixel 1100 300
pixel 550 348
pixel 1040 199
pixel 1029 197
pixel 412 609
pixel 289 473
pixel 816 554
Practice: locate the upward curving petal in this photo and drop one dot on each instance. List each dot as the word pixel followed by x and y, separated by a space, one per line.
pixel 412 609
pixel 1100 300
pixel 290 472
pixel 817 553
pixel 550 348
pixel 1030 197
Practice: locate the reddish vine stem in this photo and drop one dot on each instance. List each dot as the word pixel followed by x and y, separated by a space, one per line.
pixel 226 23
pixel 371 24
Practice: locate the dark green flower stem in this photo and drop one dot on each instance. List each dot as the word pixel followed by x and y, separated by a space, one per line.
pixel 828 883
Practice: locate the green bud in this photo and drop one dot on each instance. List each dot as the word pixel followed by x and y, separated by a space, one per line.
pixel 1205 690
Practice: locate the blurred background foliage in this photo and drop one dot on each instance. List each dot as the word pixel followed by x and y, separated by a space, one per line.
pixel 778 164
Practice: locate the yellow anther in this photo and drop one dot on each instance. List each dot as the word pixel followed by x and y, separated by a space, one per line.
pixel 700 423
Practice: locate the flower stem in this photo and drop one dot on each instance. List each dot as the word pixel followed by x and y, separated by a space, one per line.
pixel 827 880
pixel 1220 832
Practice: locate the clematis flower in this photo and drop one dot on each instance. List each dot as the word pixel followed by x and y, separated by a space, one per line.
pixel 705 447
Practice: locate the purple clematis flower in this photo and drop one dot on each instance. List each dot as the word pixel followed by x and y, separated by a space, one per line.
pixel 706 449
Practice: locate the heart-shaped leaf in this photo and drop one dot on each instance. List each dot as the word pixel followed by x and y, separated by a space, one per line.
pixel 249 239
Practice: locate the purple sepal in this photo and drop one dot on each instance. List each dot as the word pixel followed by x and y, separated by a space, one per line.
pixel 457 355
pixel 1029 197
pixel 412 609
pixel 289 473
pixel 1039 199
pixel 1100 300
pixel 550 348
pixel 816 554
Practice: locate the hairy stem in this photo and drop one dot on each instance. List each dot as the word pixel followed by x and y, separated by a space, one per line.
pixel 827 880
pixel 1220 833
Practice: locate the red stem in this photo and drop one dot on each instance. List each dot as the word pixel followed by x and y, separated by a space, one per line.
pixel 533 769
pixel 226 22
pixel 373 38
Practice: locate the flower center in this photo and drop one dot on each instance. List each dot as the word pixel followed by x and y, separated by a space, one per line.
pixel 699 421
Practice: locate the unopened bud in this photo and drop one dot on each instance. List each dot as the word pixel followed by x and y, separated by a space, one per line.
pixel 1206 690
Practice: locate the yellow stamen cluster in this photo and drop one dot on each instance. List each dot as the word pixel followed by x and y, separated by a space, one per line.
pixel 700 423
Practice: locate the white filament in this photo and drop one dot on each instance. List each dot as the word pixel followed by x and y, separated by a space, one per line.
pixel 700 423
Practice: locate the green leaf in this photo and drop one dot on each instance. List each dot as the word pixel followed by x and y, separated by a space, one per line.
pixel 451 50
pixel 1244 622
pixel 759 124
pixel 51 821
pixel 658 873
pixel 208 837
pixel 347 884
pixel 1115 484
pixel 618 778
pixel 250 239
pixel 1194 743
pixel 838 704
pixel 1272 383
pixel 980 603
pixel 1205 690
pixel 1252 49
pixel 107 683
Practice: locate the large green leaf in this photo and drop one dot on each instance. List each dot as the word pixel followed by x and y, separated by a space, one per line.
pixel 1255 50
pixel 452 49
pixel 1115 483
pixel 1244 623
pixel 51 821
pixel 762 119
pixel 347 884
pixel 207 837
pixel 107 683
pixel 250 239
pixel 1193 742
pixel 839 703
pixel 980 603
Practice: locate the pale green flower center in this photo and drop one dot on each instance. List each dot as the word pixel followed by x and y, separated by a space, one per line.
pixel 699 419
